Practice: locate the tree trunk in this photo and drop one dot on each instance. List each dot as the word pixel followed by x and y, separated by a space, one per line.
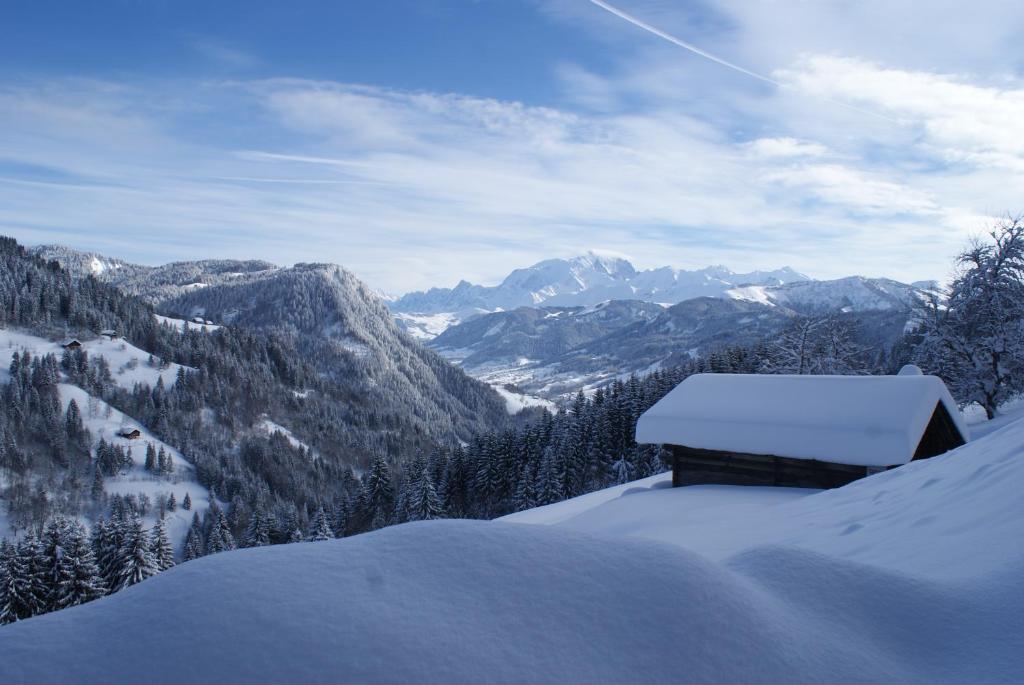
pixel 990 409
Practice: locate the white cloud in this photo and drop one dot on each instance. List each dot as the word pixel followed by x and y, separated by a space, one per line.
pixel 958 121
pixel 413 189
pixel 786 148
pixel 854 190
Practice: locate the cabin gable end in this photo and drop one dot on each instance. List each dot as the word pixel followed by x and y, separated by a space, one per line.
pixel 940 436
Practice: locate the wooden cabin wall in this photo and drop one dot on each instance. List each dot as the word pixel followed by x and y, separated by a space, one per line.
pixel 692 466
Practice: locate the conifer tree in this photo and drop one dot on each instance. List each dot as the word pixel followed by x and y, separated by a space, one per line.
pixel 379 493
pixel 342 516
pixel 151 464
pixel 257 533
pixel 10 583
pixel 55 564
pixel 83 583
pixel 165 465
pixel 160 546
pixel 30 577
pixel 96 492
pixel 135 560
pixel 422 503
pixel 73 421
pixel 186 503
pixel 194 544
pixel 320 527
pixel 219 538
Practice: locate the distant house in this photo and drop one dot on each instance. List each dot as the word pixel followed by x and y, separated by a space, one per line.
pixel 800 431
pixel 129 433
pixel 71 344
pixel 109 333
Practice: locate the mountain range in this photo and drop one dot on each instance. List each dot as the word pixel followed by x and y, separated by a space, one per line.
pixel 584 280
pixel 545 331
pixel 568 324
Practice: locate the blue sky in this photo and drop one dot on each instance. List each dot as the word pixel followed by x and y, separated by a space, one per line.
pixel 418 143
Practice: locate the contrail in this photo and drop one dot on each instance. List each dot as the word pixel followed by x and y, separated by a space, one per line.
pixel 718 60
pixel 681 43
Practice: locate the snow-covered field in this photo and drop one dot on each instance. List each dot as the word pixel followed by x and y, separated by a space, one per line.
pixel 182 324
pixel 515 402
pixel 270 427
pixel 128 364
pixel 915 575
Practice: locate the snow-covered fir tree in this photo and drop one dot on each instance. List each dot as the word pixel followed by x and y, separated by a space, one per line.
pixel 257 533
pixel 160 546
pixel 320 527
pixel 82 582
pixel 194 543
pixel 135 560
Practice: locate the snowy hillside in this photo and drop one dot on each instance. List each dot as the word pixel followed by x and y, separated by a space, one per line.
pixel 909 576
pixel 852 294
pixel 128 366
pixel 581 281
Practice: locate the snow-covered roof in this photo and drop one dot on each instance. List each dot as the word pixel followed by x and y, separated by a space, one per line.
pixel 863 420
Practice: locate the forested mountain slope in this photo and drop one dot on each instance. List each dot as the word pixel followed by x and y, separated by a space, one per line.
pixel 340 326
pixel 343 329
pixel 343 402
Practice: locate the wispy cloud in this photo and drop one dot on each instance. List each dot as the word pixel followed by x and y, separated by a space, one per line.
pixel 222 53
pixel 413 188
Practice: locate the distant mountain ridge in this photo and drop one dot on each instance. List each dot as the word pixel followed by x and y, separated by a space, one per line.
pixel 154 283
pixel 581 281
pixel 551 352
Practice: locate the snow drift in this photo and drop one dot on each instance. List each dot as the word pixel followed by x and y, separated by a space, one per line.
pixel 910 576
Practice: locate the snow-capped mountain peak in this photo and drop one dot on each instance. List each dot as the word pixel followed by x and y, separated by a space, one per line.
pixel 580 281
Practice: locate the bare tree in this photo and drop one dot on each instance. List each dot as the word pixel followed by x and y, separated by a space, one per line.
pixel 817 345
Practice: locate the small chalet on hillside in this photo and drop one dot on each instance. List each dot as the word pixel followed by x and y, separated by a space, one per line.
pixel 129 433
pixel 800 431
pixel 71 344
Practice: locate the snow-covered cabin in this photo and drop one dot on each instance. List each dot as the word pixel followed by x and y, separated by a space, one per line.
pixel 800 431
pixel 130 433
pixel 71 344
pixel 109 333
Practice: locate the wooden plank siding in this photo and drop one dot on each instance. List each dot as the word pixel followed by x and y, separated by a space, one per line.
pixel 692 466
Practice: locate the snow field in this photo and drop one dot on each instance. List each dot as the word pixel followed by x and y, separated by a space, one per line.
pixel 128 364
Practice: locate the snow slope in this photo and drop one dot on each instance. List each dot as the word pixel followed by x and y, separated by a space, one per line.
pixel 910 576
pixel 104 421
pixel 853 293
pixel 128 365
pixel 183 325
